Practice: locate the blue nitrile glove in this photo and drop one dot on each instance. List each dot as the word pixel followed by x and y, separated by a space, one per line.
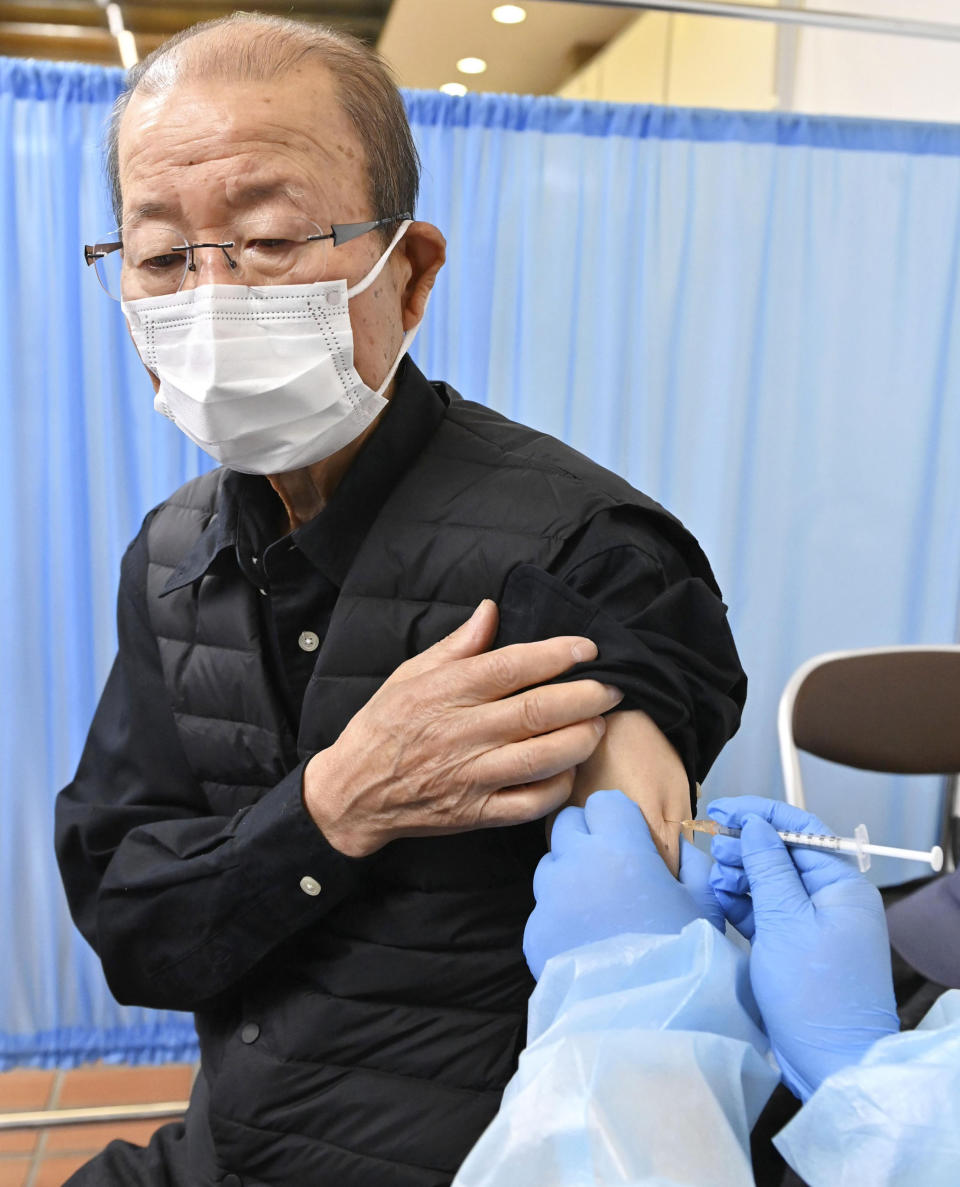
pixel 695 871
pixel 820 959
pixel 727 878
pixel 603 877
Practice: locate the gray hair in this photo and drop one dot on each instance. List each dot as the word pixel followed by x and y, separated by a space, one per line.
pixel 366 91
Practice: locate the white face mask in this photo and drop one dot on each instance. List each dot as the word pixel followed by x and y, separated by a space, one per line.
pixel 262 379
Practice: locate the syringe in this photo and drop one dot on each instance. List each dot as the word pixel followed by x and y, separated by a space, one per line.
pixel 858 844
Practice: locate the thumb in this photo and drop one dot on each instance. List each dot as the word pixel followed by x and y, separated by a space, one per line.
pixel 775 887
pixel 615 816
pixel 472 637
pixel 695 870
pixel 695 867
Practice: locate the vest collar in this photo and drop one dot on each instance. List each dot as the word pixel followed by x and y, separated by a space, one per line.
pixel 332 539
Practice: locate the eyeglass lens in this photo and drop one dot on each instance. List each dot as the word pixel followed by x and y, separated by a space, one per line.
pixel 156 261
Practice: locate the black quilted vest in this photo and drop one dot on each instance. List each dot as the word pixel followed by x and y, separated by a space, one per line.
pixel 388 1030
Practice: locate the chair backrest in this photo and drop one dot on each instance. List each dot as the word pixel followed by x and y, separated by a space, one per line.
pixel 894 709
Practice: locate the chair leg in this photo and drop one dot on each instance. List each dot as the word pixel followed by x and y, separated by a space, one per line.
pixel 950 824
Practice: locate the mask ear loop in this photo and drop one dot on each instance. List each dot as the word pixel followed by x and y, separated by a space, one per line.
pixel 404 349
pixel 362 285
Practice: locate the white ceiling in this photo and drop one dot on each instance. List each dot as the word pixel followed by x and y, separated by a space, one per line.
pixel 423 40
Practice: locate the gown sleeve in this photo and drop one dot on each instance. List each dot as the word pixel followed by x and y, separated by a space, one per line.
pixel 645 1064
pixel 893 1118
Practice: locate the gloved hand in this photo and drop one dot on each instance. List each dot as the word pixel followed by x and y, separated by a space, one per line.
pixel 727 878
pixel 603 877
pixel 820 959
pixel 695 871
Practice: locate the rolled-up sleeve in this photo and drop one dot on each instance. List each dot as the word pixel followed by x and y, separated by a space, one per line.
pixel 653 609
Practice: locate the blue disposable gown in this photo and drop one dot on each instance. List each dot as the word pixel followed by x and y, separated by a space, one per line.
pixel 646 1064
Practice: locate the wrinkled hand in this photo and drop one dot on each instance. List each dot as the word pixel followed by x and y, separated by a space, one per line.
pixel 603 877
pixel 820 958
pixel 450 742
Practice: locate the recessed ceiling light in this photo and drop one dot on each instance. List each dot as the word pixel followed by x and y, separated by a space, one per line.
pixel 509 14
pixel 453 88
pixel 471 65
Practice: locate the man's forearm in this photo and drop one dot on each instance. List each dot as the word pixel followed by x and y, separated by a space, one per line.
pixel 635 757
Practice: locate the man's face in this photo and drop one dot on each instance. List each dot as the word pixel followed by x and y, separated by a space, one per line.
pixel 203 156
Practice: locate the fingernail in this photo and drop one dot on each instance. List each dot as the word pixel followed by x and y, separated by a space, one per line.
pixel 600 725
pixel 584 649
pixel 615 694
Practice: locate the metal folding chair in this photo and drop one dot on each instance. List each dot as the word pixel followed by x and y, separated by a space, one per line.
pixel 889 709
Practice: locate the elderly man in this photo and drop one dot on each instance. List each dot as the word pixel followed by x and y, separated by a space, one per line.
pixel 360 661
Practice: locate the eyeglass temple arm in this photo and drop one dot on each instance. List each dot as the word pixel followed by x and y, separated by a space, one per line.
pixel 96 251
pixel 344 232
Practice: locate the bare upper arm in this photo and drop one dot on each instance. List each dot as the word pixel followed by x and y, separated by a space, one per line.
pixel 636 757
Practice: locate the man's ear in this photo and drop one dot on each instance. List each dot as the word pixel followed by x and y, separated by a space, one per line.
pixel 425 249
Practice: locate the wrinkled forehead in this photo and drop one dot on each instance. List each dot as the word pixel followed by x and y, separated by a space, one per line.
pixel 227 141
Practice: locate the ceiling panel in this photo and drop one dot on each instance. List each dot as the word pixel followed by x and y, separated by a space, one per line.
pixel 77 29
pixel 423 40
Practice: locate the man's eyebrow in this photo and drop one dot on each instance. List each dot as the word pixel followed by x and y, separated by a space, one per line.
pixel 150 210
pixel 244 196
pixel 257 191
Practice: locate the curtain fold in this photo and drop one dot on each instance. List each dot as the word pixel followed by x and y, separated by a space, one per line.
pixel 754 318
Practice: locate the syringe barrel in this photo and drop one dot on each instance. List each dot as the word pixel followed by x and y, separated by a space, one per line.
pixel 814 840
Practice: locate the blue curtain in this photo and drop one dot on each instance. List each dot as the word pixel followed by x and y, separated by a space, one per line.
pixel 752 317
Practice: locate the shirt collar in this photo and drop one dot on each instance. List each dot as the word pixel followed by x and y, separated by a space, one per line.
pixel 217 536
pixel 331 539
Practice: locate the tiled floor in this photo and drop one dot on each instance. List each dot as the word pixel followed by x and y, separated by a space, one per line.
pixel 47 1157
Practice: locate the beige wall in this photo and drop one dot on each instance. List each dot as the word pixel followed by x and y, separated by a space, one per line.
pixel 873 75
pixel 688 61
pixel 631 69
pixel 715 62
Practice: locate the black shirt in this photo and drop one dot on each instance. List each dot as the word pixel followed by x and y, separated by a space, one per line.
pixel 617 581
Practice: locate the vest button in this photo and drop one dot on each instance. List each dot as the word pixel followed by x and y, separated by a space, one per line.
pixel 231 1181
pixel 310 886
pixel 308 641
pixel 249 1034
